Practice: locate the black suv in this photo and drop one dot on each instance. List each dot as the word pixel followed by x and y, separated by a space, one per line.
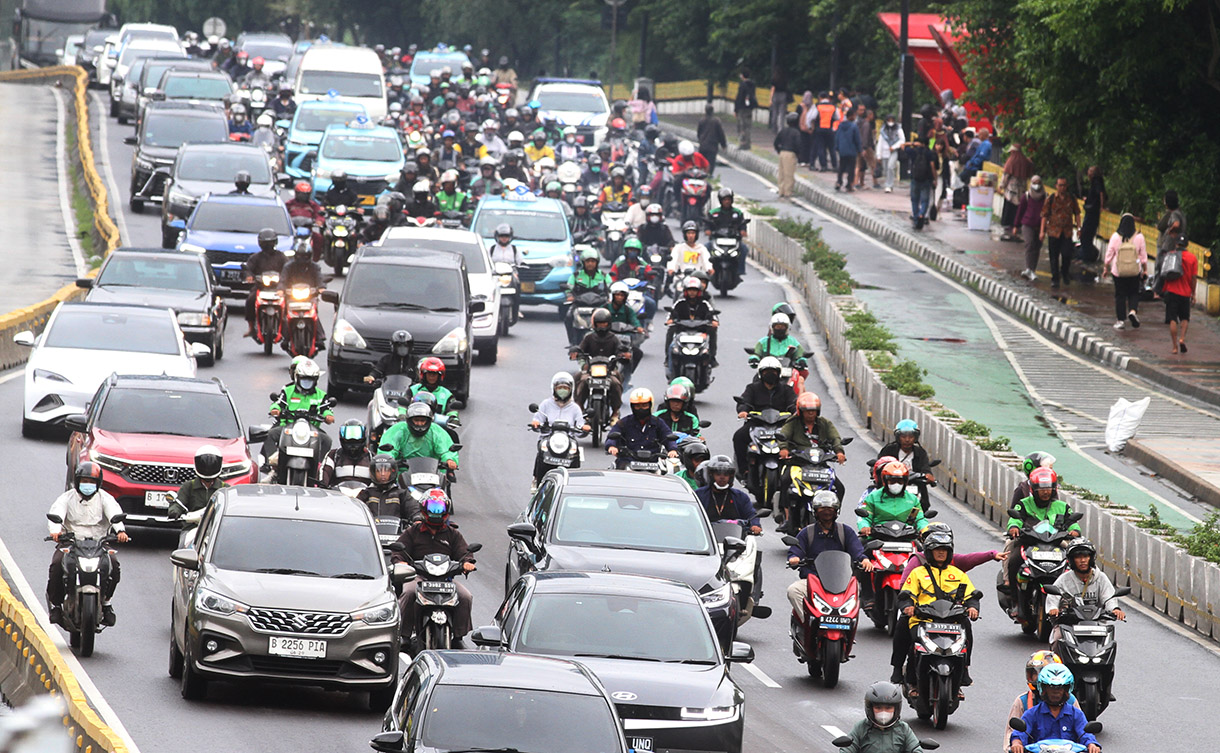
pixel 166 279
pixel 426 293
pixel 165 128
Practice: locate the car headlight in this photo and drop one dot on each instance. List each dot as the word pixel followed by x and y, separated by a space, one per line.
pixel 718 598
pixel 322 173
pixel 347 336
pixel 711 713
pixel 192 248
pixel 210 601
pixel 180 197
pixel 107 462
pixel 195 319
pixel 145 164
pixel 452 343
pixel 559 443
pixel 235 469
pixel 381 614
pixel 561 261
pixel 51 376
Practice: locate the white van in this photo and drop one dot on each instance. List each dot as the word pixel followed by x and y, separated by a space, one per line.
pixel 354 73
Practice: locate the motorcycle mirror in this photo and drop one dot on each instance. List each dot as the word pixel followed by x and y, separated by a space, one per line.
pixel 1074 517
pixel 872 545
pixel 1124 591
pixel 257 433
pixel 749 351
pixel 789 540
pixel 929 744
pixel 119 518
pixel 848 441
pixel 931 514
pixel 221 290
pixel 1017 723
pixel 396 546
pixel 861 512
pixel 763 513
pixel 760 612
pixel 1013 512
pixel 842 741
pixel 273 395
pixel 1093 727
pixel 54 518
pixel 740 652
pixel 733 546
pixel 473 548
pixel 129 140
pixel 456 447
pixel 1052 589
pixel 704 423
pixel 401 572
pixel 934 463
pixel 614 435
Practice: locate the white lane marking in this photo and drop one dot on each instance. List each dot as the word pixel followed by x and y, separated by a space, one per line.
pixel 834 731
pixel 65 205
pixel 761 676
pixel 116 201
pixel 12 376
pixel 33 602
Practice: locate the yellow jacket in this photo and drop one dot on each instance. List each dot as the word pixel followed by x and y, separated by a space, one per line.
pixel 534 154
pixel 919 588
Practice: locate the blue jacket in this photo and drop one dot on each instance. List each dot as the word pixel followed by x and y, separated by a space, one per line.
pixel 650 436
pixel 981 155
pixel 847 139
pixel 1041 725
pixel 812 541
pixel 742 509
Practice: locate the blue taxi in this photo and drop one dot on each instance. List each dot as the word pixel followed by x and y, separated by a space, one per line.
pixel 371 155
pixel 304 132
pixel 540 230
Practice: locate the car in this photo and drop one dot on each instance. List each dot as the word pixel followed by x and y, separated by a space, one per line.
pixel 304 131
pixel 648 640
pixel 91 49
pixel 540 230
pixel 625 522
pixel 484 282
pixel 224 229
pixel 285 585
pixel 104 66
pixel 180 282
pixel 574 102
pixel 426 61
pixel 67 53
pixel 201 169
pixel 131 51
pixel 195 88
pixel 524 703
pixel 426 293
pixel 83 343
pixel 143 88
pixel 371 156
pixel 353 74
pixel 165 128
pixel 144 430
pixel 275 50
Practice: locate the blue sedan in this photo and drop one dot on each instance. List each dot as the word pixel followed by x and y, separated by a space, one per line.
pixel 225 228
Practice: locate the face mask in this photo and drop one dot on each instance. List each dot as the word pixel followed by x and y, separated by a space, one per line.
pixel 883 717
pixel 894 488
pixel 570 139
pixel 641 413
pixel 596 169
pixel 88 489
pixel 562 393
pixel 720 487
pixel 307 385
pixel 770 378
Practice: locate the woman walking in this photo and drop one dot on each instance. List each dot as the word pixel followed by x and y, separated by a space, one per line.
pixel 1127 262
pixel 1029 219
pixel 1017 169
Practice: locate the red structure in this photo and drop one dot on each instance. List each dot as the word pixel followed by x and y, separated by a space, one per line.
pixel 931 44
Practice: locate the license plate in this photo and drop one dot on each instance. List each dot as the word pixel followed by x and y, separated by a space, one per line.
pixel 640 743
pixel 552 460
pixel 159 500
pixel 944 627
pixel 527 287
pixel 438 587
pixel 368 201
pixel 297 648
pixel 835 625
pixel 228 274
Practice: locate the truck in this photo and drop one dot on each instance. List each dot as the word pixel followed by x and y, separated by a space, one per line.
pixel 42 27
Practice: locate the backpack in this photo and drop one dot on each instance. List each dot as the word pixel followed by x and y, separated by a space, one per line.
pixel 1127 262
pixel 1171 266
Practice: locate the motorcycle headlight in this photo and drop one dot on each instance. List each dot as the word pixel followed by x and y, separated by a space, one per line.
pixel 717 598
pixel 439 570
pixel 300 432
pixel 822 606
pixel 195 319
pixel 51 376
pixel 270 279
pixel 382 614
pixel 210 601
pixel 300 292
pixel 711 713
pixel 506 281
pixel 453 343
pixel 848 606
pixel 340 231
pixel 559 443
pixel 598 370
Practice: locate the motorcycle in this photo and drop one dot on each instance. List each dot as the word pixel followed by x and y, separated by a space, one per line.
pixel 300 455
pixel 269 311
pixel 510 302
pixel 690 353
pixel 695 191
pixel 301 321
pixel 1054 745
pixel 824 633
pixel 806 474
pixel 614 222
pixel 640 461
pixel 597 406
pixel 86 566
pixel 453 220
pixel 744 568
pixel 762 470
pixel 1043 560
pixel 725 250
pixel 255 100
pixel 581 312
pixel 436 596
pixel 390 394
pixel 939 655
pixel 419 475
pixel 637 290
pixel 1087 647
pixel 629 341
pixel 889 547
pixel 339 238
pixel 568 173
pixel 504 95
pixel 557 446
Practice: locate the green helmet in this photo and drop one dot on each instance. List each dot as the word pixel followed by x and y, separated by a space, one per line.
pixel 684 382
pixel 633 243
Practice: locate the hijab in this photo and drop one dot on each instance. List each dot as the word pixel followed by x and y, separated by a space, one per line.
pixel 1018 165
pixel 1126 226
pixel 1036 190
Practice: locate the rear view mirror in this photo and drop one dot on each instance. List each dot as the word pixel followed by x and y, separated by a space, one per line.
pixel 488 636
pixel 84 283
pixel 401 572
pixel 330 296
pixel 790 540
pixel 704 423
pixel 199 350
pixel 847 441
pixel 1014 512
pixel 25 338
pixel 1123 591
pixel 478 307
pixel 934 463
pixel 54 518
pixel 474 548
pixel 1052 589
pixel 76 422
pixel 861 512
pixel 929 744
pixel 187 559
pixel 733 546
pixel 1017 723
pixel 118 518
pixel 388 742
pixel 1093 728
pixel 931 514
pixel 740 653
pixel 843 741
pixel 130 140
pixel 763 513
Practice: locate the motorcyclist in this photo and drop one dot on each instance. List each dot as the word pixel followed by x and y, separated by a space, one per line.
pixel 718 497
pixel 268 258
pixel 422 204
pixel 582 221
pixel 674 413
pixel 265 136
pixel 492 145
pixel 302 205
pixel 376 226
pixel 349 461
pixel 431 372
pixel 487 183
pixel 397 361
pixel 601 343
pixel 618 308
pixel 805 430
pixel 303 393
pixel 728 217
pixel 909 452
pixel 694 307
pixel 558 407
pixel 1041 505
pixel 449 198
pixel 823 534
pixel 568 150
pixel 419 436
pixel 197 493
pixel 257 78
pixel 617 190
pixel 630 264
pixel 779 342
pixel 407 178
pixel 639 432
pixel 384 495
pixel 238 122
pixel 693 455
pixel 892 501
pixel 637 213
pixel 512 168
pixel 690 256
pixel 284 106
pixel 763 392
pixel 1084 583
pixel 241 183
pixel 504 73
pixel 433 534
pixel 1029 698
pixel 881 730
pixel 688 158
pixel 654 231
pixel 340 192
pixel 449 151
pixel 592 178
pixel 586 279
pixel 538 148
pixel 1031 463
pixel 237 66
pixel 552 189
pixel 86 510
pixel 1053 717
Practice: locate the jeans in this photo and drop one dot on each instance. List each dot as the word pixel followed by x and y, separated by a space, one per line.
pixel 745 120
pixel 891 169
pixel 847 166
pixel 822 144
pixel 921 194
pixel 1126 296
pixel 710 155
pixel 1060 250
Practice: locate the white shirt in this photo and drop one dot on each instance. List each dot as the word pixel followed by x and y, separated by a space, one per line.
pixel 636 215
pixel 551 411
pixel 509 254
pixel 86 518
pixel 687 259
pixel 883 145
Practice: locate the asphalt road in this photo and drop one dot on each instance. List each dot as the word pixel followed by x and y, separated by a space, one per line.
pixel 786 710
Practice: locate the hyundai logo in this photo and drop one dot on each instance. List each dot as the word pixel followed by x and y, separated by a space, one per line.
pixel 623 695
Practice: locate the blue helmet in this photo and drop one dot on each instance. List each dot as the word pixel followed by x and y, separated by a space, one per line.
pixel 907 426
pixel 1055 675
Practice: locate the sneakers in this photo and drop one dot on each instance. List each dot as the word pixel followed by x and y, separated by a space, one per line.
pixel 1029 274
pixel 1119 324
pixel 889 189
pixel 108 618
pixel 56 615
pixel 966 679
pixel 1135 320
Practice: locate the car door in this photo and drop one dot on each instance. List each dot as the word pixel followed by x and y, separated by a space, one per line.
pixel 405 712
pixel 510 612
pixel 80 441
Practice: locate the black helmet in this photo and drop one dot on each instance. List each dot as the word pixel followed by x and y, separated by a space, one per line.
pixel 415 411
pixel 87 472
pixel 382 462
pixel 1081 546
pixel 695 454
pixel 427 398
pixel 717 464
pixel 938 540
pixel 352 436
pixel 401 342
pixel 208 461
pixel 601 316
pixel 242 179
pixel 884 694
pixel 651 131
pixel 267 239
pixel 339 179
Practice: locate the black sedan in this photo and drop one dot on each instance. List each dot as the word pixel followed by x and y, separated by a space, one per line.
pixel 648 640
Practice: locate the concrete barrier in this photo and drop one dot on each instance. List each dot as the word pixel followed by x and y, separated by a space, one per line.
pixel 1161 574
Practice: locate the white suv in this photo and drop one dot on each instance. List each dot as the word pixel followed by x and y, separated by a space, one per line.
pixel 574 102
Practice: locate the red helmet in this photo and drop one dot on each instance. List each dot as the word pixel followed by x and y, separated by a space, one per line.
pixel 302 187
pixel 432 365
pixel 1042 478
pixel 882 462
pixel 258 62
pixel 243 55
pixel 619 123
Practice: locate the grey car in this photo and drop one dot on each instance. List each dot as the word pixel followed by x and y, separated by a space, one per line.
pixel 201 169
pixel 284 584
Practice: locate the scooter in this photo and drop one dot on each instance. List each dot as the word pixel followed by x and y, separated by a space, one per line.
pixel 640 461
pixel 301 321
pixel 581 313
pixel 391 393
pixel 762 471
pixel 1043 560
pixel 1054 745
pixel 557 446
pixel 86 566
pixel 1087 647
pixel 725 250
pixel 597 405
pixel 695 189
pixel 806 474
pixel 824 633
pixel 339 238
pixel 637 290
pixel 269 303
pixel 690 352
pixel 744 568
pixel 437 598
pixel 419 475
pixel 939 656
pixel 629 342
pixel 889 547
pixel 510 301
pixel 614 221
pixel 300 447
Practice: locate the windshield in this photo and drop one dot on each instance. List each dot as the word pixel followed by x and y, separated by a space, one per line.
pixel 131 53
pixel 166 274
pixel 153 71
pixel 425 62
pixel 269 50
pixel 472 252
pixel 171 130
pixel 571 101
pixel 87 328
pixel 605 624
pixel 296 547
pixel 364 148
pixel 397 286
pixel 200 164
pixel 240 218
pixel 632 523
pixel 183 414
pixel 530 721
pixel 137 70
pixel 316 118
pixel 347 84
pixel 527 225
pixel 196 87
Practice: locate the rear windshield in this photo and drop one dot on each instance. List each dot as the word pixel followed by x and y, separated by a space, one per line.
pixel 131 53
pixel 364 148
pixel 346 84
pixel 172 130
pixel 571 101
pixel 471 252
pixel 240 218
pixel 269 50
pixel 194 87
pixel 528 225
pixel 87 328
pixel 316 119
pixel 199 164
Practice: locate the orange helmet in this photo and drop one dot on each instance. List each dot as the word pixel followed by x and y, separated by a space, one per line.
pixel 881 462
pixel 808 401
pixel 1036 662
pixel 894 472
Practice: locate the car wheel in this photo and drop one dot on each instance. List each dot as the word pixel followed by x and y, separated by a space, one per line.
pixel 209 359
pixel 114 108
pixel 169 237
pixel 489 354
pixel 194 685
pixel 175 660
pixel 31 429
pixel 136 205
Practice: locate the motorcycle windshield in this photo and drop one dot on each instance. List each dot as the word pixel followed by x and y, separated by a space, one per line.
pixel 834 571
pixel 723 528
pixel 422 465
pixel 397 388
pixel 771 416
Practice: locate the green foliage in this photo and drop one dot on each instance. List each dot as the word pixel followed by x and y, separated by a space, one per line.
pixel 864 332
pixel 1152 521
pixel 829 265
pixel 907 379
pixel 762 211
pixel 1203 540
pixel 1084 493
pixel 880 360
pixel 946 413
pixel 993 444
pixel 973 429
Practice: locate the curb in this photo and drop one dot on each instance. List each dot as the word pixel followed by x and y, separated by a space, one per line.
pixel 1164 467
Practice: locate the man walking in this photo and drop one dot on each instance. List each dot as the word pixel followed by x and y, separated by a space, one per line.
pixel 710 133
pixel 923 177
pixel 847 143
pixel 787 145
pixel 823 131
pixel 1060 217
pixel 743 108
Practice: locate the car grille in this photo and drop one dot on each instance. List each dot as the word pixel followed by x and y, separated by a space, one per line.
pixel 216 256
pixel 298 623
pixel 533 272
pixel 633 711
pixel 160 473
pixel 382 345
pixel 365 186
pixel 584 134
pixel 300 667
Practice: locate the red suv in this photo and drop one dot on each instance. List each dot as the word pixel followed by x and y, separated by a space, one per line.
pixel 144 431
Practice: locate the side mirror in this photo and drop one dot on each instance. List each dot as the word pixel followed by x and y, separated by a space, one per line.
pixel 526 533
pixel 156 95
pixel 388 742
pixel 704 423
pixel 1124 591
pixel 199 350
pixel 790 540
pixel 733 546
pixel 285 182
pixel 1017 723
pixel 872 545
pixel 187 559
pixel 54 518
pixel 740 653
pixel 478 307
pixel 929 744
pixel 1052 589
pixel 24 338
pixel 931 514
pixel 222 290
pixel 763 513
pixel 474 548
pixel 1015 513
pixel 860 512
pixel 842 741
pixel 614 435
pixel 401 572
pixel 76 422
pixel 488 636
pixel 84 283
pixel 934 463
pixel 1075 517
pixel 1093 728
pixel 273 395
pixel 130 140
pixel 330 296
pixel 257 433
pixel 847 441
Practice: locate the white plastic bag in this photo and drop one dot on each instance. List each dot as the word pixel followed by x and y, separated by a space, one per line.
pixel 1125 417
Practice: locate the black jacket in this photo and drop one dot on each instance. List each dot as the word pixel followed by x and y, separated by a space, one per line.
pixel 756 396
pixel 420 542
pixel 390 502
pixel 919 456
pixel 655 234
pixel 192 496
pixel 599 344
pixel 684 309
pixel 788 140
pixel 301 273
pixel 266 261
pixel 747 98
pixel 710 133
pixel 390 364
pixel 335 196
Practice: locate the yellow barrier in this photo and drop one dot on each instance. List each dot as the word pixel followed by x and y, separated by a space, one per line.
pixel 665 91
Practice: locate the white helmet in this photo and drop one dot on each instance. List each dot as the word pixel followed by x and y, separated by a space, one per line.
pixel 770 362
pixel 562 379
pixel 619 287
pixel 515 137
pixel 692 283
pixel 686 148
pixel 451 176
pixel 266 120
pixel 421 186
pixel 780 318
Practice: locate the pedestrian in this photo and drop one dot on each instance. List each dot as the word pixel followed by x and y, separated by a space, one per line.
pixel 787 144
pixel 710 134
pixel 780 97
pixel 1060 217
pixel 743 108
pixel 981 153
pixel 866 120
pixel 1094 205
pixel 889 140
pixel 923 177
pixel 643 110
pixel 808 115
pixel 1179 296
pixel 1029 220
pixel 1017 169
pixel 1127 262
pixel 1171 226
pixel 824 130
pixel 847 144
pixel 941 157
